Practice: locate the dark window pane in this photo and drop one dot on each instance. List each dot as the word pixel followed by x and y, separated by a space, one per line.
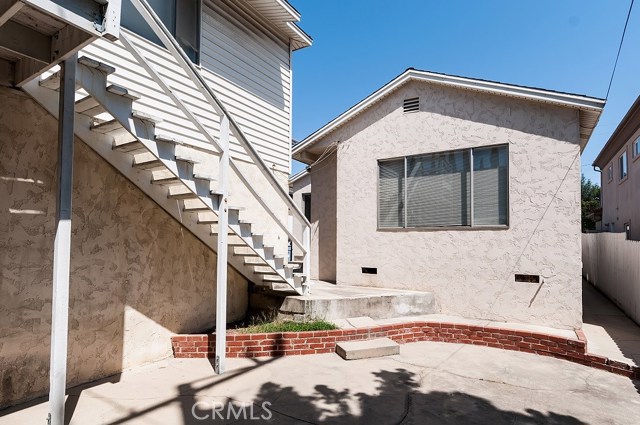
pixel 438 190
pixel 391 193
pixel 490 186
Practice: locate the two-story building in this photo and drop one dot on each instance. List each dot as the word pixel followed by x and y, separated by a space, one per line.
pixel 620 177
pixel 182 154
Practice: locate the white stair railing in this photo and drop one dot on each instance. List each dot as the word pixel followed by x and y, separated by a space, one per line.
pixel 227 126
pixel 171 44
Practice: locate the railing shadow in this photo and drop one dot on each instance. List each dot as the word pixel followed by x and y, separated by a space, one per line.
pixel 396 399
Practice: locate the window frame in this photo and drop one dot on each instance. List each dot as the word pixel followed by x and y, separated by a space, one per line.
pixel 472 225
pixel 635 148
pixel 624 154
pixel 610 173
pixel 172 26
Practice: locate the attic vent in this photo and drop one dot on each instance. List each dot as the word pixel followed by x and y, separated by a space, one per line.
pixel 411 105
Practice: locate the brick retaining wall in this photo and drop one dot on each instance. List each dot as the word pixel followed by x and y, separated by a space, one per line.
pixel 318 342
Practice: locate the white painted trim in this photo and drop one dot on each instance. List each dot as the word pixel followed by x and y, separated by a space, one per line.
pixel 298 176
pixel 301 36
pixel 583 103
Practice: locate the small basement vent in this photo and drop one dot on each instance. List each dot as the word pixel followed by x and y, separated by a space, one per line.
pixel 411 105
pixel 370 270
pixel 528 278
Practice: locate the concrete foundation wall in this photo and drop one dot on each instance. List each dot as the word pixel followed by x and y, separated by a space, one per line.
pixel 470 271
pixel 136 275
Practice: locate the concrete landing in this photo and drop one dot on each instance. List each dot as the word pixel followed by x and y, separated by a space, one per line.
pixel 354 350
pixel 330 302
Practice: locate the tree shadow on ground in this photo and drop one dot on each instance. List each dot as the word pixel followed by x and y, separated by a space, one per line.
pixel 396 400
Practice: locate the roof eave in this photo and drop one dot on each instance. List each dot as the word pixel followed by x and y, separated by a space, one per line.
pixel 620 135
pixel 583 103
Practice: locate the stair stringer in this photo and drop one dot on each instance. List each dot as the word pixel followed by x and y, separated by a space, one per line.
pixel 102 145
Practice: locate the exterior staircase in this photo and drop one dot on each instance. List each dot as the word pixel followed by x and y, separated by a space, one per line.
pixel 166 169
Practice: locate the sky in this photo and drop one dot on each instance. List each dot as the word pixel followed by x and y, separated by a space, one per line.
pixel 565 45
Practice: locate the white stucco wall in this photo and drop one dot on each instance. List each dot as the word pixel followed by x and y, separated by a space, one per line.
pixel 471 272
pixel 324 223
pixel 298 188
pixel 137 275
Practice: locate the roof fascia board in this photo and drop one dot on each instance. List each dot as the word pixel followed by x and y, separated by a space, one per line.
pixel 298 176
pixel 302 36
pixel 295 15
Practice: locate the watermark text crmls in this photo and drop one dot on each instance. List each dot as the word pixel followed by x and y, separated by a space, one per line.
pixel 216 410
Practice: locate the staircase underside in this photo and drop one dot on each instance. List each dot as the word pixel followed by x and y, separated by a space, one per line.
pixel 175 177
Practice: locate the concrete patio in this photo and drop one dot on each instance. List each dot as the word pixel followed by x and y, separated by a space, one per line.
pixel 428 382
pixel 433 383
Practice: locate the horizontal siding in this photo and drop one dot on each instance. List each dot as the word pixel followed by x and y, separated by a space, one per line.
pixel 249 67
pixel 264 124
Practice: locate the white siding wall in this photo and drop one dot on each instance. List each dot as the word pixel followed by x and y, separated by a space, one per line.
pixel 249 68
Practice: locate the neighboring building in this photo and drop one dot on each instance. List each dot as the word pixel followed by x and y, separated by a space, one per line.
pixel 620 177
pixel 300 190
pixel 466 188
pixel 147 184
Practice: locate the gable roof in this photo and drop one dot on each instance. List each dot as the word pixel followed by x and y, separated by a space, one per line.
pixel 625 130
pixel 590 107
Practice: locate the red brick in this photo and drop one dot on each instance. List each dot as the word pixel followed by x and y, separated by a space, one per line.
pixel 595 358
pixel 243 337
pixel 195 338
pixel 619 365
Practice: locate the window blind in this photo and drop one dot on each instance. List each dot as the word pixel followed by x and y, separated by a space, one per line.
pixel 445 189
pixel 490 193
pixel 438 192
pixel 391 193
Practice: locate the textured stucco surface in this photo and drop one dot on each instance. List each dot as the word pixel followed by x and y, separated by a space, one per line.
pixel 324 224
pixel 136 275
pixel 471 272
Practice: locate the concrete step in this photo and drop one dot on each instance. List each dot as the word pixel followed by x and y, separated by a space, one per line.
pixel 354 350
pixel 330 302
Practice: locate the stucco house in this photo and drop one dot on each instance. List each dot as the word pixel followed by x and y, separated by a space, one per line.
pixel 466 188
pixel 620 177
pixel 182 125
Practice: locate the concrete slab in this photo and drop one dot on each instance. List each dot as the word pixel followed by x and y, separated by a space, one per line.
pixel 427 383
pixel 356 322
pixel 355 350
pixel 331 302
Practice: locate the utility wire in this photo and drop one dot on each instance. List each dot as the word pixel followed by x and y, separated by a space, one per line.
pixel 615 65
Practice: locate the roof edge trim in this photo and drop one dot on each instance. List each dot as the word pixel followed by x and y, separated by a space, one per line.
pixel 561 99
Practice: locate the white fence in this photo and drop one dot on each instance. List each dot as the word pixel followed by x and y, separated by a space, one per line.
pixel 612 264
